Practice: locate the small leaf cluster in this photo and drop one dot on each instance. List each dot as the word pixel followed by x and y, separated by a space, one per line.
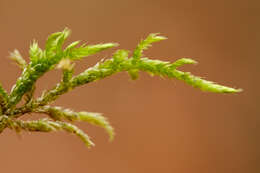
pixel 55 55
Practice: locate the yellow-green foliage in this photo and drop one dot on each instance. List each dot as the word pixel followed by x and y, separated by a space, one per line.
pixel 44 60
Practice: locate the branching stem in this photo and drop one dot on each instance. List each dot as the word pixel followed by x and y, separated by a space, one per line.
pixel 44 60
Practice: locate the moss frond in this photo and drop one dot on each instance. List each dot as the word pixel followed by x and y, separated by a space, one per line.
pixel 44 60
pixel 57 113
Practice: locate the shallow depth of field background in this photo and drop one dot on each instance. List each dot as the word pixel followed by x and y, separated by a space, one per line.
pixel 161 125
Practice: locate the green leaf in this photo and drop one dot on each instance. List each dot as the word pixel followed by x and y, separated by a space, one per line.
pixel 41 125
pixel 41 62
pixel 71 46
pixel 145 44
pixel 98 120
pixel 202 84
pixel 59 125
pixel 183 61
pixel 57 113
pixel 138 52
pixel 35 53
pixel 83 51
pixel 119 57
pixel 161 68
pixel 55 41
pixel 45 125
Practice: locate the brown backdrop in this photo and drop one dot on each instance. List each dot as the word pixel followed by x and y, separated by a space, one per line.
pixel 161 125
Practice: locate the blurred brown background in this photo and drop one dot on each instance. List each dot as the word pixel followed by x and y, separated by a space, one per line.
pixel 161 125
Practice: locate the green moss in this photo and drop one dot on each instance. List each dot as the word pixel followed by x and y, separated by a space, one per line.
pixel 44 60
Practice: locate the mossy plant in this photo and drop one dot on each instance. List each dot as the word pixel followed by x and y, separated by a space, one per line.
pixel 54 55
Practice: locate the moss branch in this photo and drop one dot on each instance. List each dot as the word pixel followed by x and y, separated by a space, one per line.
pixel 59 119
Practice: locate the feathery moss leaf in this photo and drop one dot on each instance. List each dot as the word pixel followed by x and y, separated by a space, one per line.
pixel 57 113
pixel 55 41
pixel 60 125
pixel 83 51
pixel 45 125
pixel 145 44
pixel 138 52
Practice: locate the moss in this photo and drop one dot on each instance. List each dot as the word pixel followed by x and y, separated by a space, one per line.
pixel 44 60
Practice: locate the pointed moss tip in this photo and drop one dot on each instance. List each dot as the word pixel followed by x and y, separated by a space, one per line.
pixel 239 90
pixel 111 134
pixel 232 90
pixel 115 44
pixel 158 37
